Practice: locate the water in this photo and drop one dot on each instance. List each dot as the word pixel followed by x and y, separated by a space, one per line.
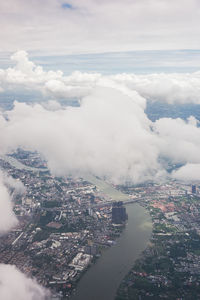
pixel 101 281
pixel 106 189
pixel 20 166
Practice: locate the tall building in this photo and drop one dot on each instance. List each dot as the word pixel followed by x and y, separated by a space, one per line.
pixel 194 189
pixel 91 249
pixel 119 215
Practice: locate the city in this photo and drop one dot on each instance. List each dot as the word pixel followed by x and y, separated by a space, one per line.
pixel 63 225
pixel 66 223
pixel 169 268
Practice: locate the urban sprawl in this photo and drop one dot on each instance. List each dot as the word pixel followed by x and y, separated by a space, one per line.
pixel 66 223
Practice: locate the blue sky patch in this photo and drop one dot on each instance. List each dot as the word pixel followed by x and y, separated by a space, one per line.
pixel 67 6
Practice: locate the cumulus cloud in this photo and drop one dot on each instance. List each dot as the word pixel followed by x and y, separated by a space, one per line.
pixel 51 105
pixel 109 126
pixel 26 75
pixel 108 135
pixel 7 216
pixel 59 89
pixel 26 71
pixel 15 285
pixel 179 139
pixel 188 173
pixel 171 88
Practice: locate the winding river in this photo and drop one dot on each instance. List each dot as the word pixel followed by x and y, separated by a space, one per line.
pixel 103 278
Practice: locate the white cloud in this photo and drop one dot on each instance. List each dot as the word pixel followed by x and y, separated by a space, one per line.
pixel 171 88
pixel 51 105
pixel 108 135
pixel 58 89
pixel 26 75
pixel 14 184
pixel 188 173
pixel 7 216
pixel 16 286
pixel 179 139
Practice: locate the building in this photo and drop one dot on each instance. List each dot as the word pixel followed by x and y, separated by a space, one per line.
pixel 91 250
pixel 194 189
pixel 119 215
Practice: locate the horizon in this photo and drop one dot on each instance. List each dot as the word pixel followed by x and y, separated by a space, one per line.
pixel 139 62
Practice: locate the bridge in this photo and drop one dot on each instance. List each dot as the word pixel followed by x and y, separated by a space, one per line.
pixel 110 202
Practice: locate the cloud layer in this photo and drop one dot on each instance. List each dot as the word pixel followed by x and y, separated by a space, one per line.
pixel 188 173
pixel 180 144
pixel 98 26
pixel 172 88
pixel 109 134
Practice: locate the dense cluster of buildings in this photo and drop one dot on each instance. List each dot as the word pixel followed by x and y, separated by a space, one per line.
pixel 63 225
pixel 169 268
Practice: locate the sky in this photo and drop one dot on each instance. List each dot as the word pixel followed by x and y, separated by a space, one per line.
pixel 108 36
pixel 139 62
pixel 58 27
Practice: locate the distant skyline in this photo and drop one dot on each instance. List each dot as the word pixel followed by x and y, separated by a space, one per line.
pixel 58 27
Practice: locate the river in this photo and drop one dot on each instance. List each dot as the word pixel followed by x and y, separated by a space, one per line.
pixel 103 278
